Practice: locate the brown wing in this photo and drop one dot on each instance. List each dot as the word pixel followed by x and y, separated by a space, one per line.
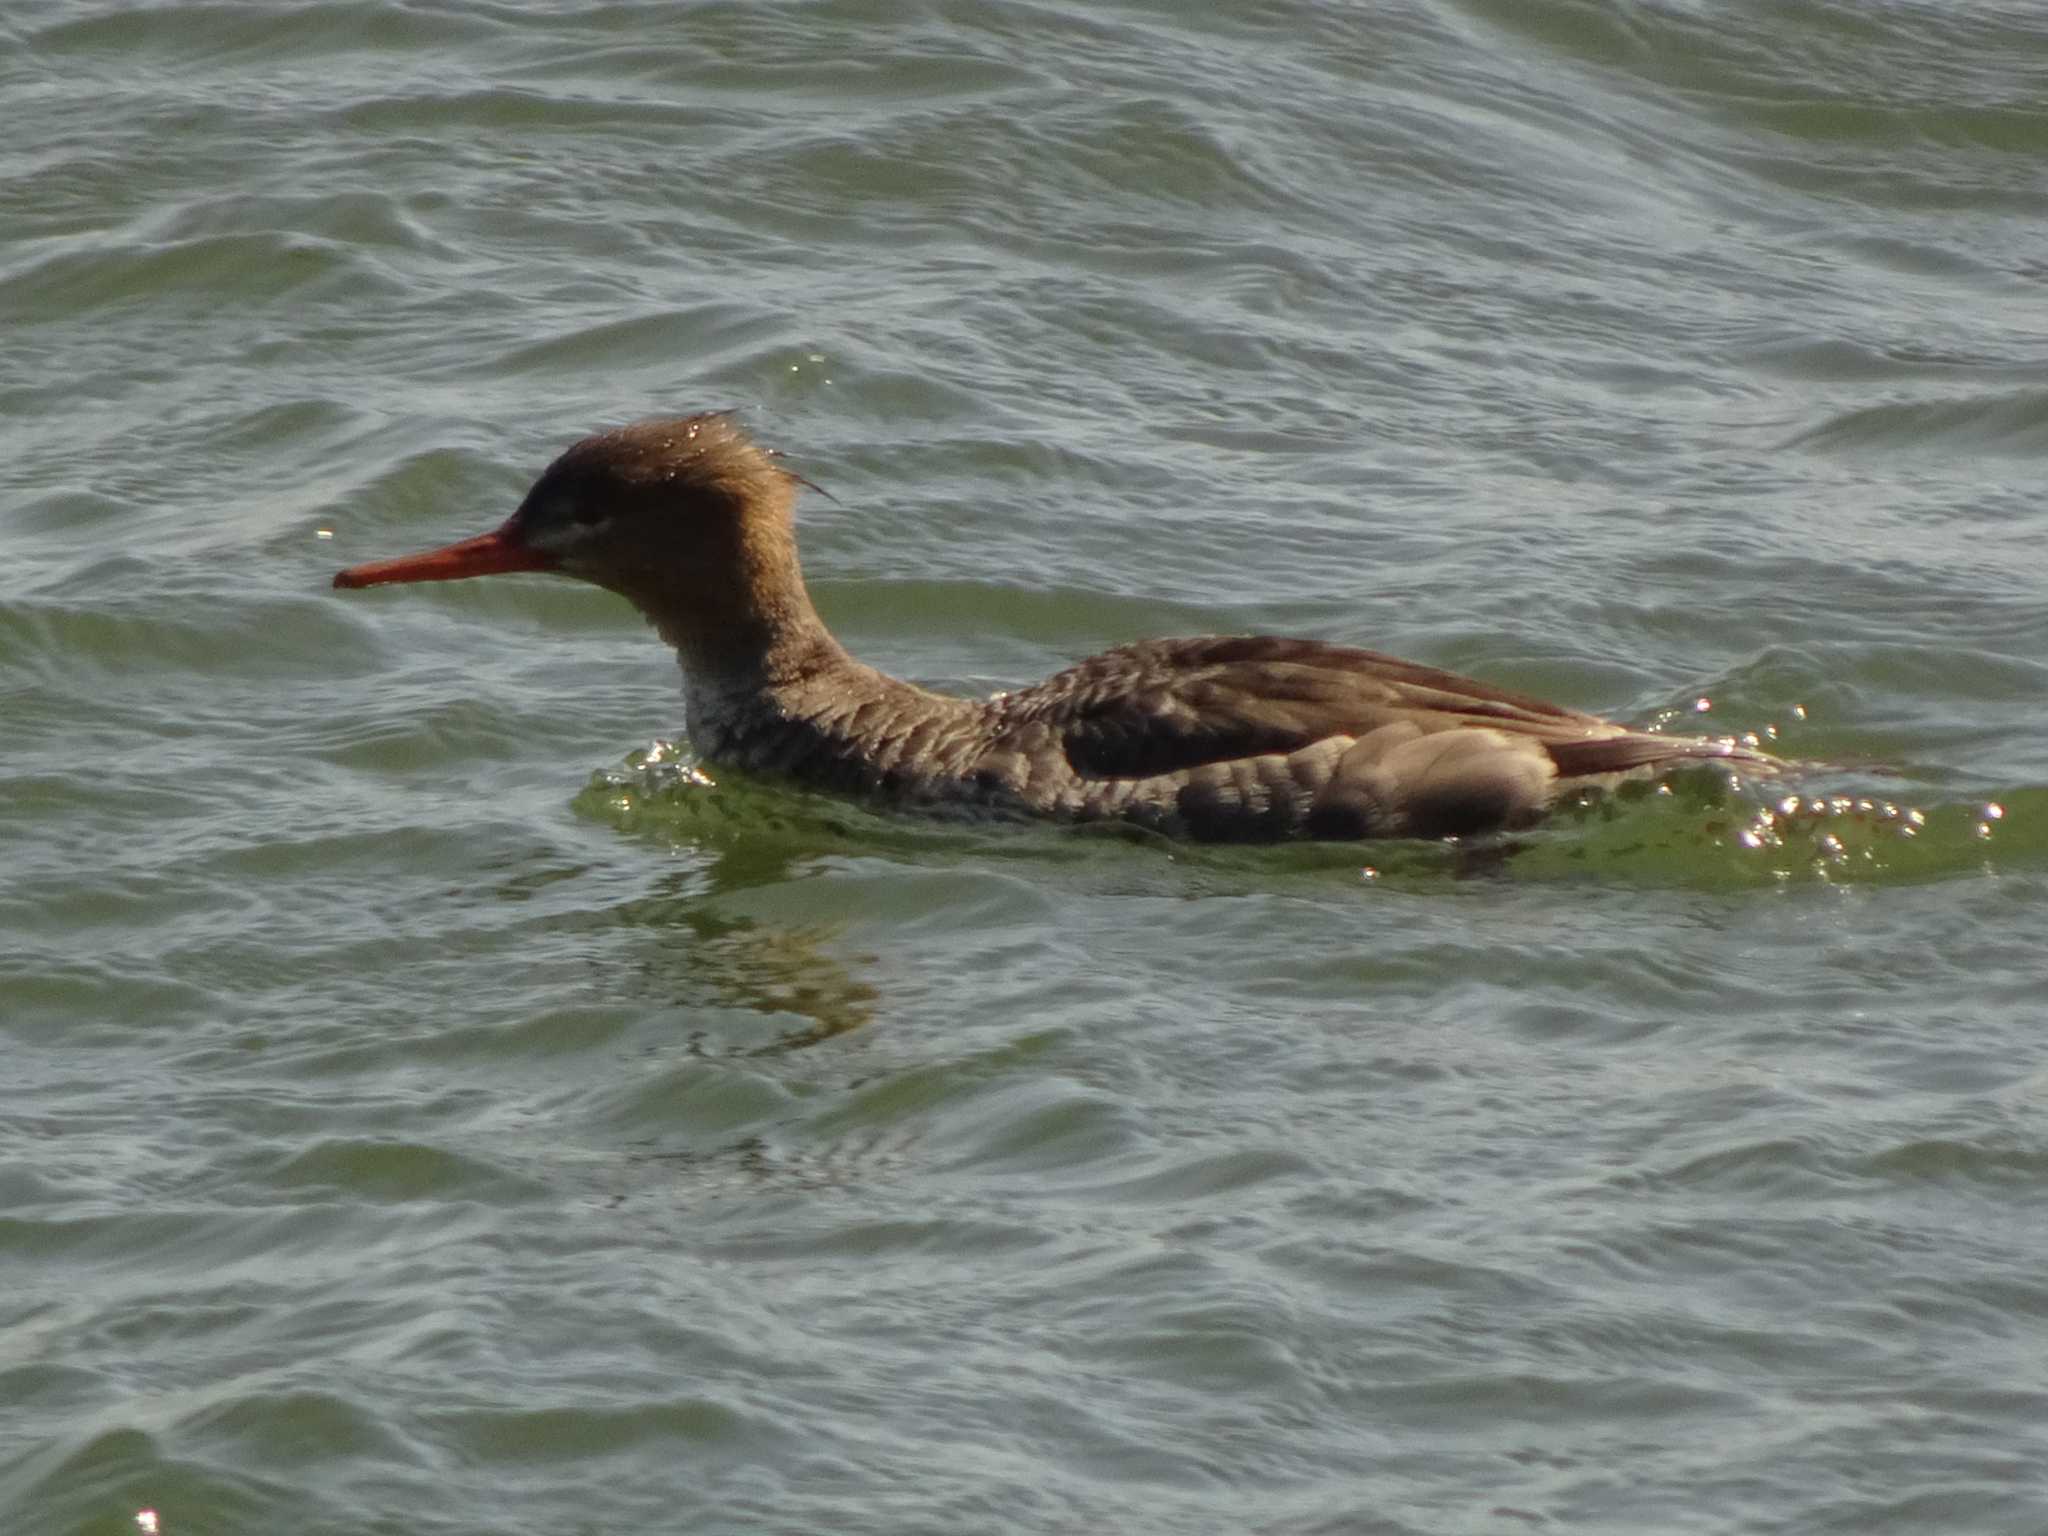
pixel 1165 706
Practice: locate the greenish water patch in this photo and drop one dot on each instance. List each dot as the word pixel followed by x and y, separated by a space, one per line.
pixel 1700 829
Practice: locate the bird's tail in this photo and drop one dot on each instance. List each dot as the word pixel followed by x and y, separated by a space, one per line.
pixel 1639 750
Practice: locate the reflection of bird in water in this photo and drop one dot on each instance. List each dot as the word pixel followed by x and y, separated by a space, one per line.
pixel 1242 739
pixel 744 963
pixel 786 970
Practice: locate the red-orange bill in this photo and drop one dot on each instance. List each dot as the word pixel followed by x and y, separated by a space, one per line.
pixel 488 554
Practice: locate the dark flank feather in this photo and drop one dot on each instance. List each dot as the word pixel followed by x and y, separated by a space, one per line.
pixel 1164 705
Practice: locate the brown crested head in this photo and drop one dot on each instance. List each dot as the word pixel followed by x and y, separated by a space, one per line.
pixel 633 506
pixel 684 517
pixel 630 509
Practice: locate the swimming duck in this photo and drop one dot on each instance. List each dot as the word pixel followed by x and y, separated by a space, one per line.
pixel 1216 738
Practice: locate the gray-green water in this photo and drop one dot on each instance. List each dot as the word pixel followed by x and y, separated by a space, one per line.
pixel 416 1119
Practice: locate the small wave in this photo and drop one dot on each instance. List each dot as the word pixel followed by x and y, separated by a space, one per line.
pixel 2014 423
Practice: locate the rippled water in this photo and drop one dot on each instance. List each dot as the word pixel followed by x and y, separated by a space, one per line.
pixel 434 1107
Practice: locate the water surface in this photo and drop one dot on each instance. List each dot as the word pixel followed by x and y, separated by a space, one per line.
pixel 430 1109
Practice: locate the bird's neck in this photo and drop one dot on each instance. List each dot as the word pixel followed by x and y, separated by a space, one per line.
pixel 765 684
pixel 739 616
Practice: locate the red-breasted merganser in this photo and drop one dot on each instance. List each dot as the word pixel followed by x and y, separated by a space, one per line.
pixel 1220 738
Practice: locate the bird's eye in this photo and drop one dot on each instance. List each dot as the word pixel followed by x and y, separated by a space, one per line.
pixel 557 523
pixel 565 512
